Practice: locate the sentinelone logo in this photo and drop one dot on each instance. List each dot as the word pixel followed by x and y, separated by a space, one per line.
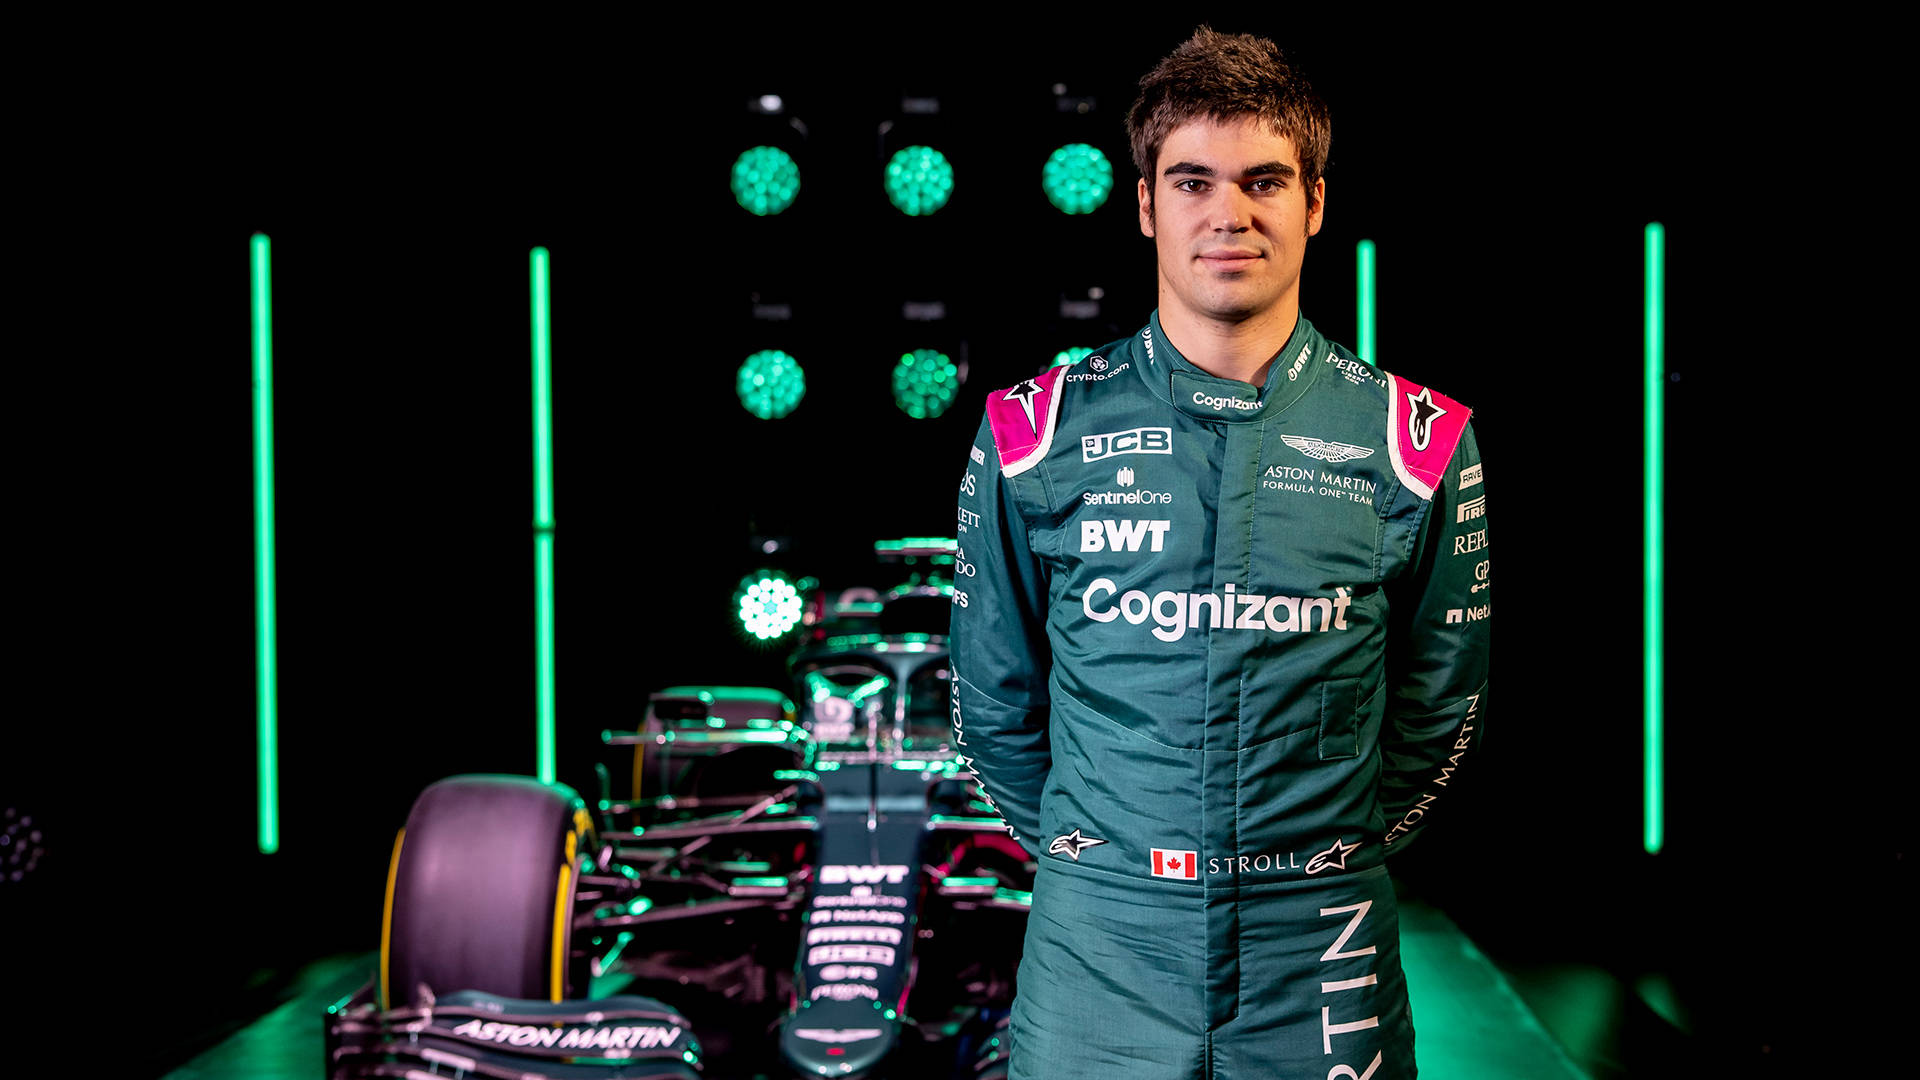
pixel 1175 612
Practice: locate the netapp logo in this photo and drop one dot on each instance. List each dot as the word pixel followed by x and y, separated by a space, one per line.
pixel 1145 440
pixel 1175 612
pixel 1106 534
pixel 1472 614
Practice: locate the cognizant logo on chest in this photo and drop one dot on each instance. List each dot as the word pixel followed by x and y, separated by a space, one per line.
pixel 1176 612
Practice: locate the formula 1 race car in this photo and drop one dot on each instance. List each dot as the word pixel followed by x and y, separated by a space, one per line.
pixel 770 890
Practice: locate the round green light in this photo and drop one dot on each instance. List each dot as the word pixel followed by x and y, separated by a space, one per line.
pixel 770 384
pixel 1077 178
pixel 919 180
pixel 765 180
pixel 769 604
pixel 1070 356
pixel 925 382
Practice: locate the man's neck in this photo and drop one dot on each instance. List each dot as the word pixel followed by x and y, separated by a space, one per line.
pixel 1241 350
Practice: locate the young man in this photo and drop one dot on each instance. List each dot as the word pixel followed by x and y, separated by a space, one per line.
pixel 1224 642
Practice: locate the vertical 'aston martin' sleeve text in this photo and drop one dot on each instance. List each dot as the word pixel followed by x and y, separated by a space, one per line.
pixel 999 652
pixel 1437 658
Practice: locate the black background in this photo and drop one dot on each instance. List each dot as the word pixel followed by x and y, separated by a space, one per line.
pixel 1506 173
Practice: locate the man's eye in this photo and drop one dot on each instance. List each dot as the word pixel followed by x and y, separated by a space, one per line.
pixel 1266 185
pixel 1188 185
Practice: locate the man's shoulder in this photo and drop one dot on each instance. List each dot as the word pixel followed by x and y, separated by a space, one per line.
pixel 1424 428
pixel 1026 417
pixel 1419 426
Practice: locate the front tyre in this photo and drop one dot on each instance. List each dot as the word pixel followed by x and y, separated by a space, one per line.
pixel 480 893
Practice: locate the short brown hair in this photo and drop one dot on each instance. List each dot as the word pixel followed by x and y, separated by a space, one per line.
pixel 1224 77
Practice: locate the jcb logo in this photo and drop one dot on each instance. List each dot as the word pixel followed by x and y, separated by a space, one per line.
pixel 1108 535
pixel 1146 440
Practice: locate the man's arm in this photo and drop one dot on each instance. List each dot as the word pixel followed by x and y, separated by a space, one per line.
pixel 1000 658
pixel 1437 653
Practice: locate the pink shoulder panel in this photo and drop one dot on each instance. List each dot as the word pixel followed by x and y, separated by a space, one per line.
pixel 1022 417
pixel 1423 428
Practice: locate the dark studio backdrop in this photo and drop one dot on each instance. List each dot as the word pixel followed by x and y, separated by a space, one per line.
pixel 402 186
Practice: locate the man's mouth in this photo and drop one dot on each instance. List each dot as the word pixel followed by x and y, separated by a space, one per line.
pixel 1230 259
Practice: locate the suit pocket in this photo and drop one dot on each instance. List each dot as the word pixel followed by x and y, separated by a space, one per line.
pixel 1339 719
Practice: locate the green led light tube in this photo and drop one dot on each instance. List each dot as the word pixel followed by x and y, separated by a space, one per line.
pixel 1654 542
pixel 265 651
pixel 1364 291
pixel 542 518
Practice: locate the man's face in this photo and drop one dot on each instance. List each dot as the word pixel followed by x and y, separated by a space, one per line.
pixel 1229 219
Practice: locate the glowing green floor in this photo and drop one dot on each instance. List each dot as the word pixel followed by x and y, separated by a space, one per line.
pixel 1468 1022
pixel 1471 1024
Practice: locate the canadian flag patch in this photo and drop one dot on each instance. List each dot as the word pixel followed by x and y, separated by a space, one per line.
pixel 1175 864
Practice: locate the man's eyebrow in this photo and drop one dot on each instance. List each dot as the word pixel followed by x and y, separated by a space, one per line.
pixel 1272 168
pixel 1187 168
pixel 1265 168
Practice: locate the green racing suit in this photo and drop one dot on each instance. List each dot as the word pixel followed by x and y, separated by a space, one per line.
pixel 1216 650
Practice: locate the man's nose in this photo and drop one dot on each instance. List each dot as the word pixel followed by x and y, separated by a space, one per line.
pixel 1232 211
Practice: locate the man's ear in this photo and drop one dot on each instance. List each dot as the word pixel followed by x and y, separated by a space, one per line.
pixel 1317 208
pixel 1146 208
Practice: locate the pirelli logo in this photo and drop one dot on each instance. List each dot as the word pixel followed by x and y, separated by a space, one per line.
pixel 1472 508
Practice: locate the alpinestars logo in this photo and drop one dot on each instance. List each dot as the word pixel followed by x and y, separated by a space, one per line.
pixel 1322 450
pixel 1071 845
pixel 1472 508
pixel 1421 413
pixel 1183 865
pixel 1334 857
pixel 1024 394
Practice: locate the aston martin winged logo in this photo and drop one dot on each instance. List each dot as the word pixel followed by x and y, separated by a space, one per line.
pixel 1322 450
pixel 1072 844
